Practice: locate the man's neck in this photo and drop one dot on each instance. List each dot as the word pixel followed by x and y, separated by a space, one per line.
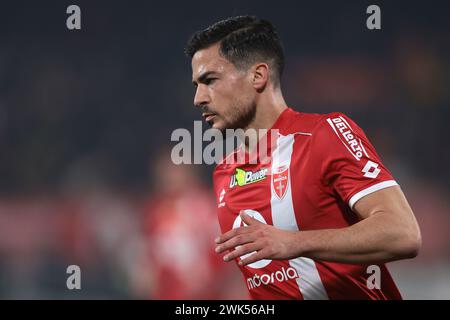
pixel 268 109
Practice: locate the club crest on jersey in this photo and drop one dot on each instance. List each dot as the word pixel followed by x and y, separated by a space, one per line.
pixel 242 178
pixel 280 180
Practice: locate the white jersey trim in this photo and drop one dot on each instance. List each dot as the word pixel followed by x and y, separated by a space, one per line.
pixel 283 217
pixel 369 190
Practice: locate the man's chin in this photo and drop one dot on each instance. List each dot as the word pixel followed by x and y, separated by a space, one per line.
pixel 216 124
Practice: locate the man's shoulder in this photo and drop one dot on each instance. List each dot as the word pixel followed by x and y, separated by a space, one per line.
pixel 309 122
pixel 293 122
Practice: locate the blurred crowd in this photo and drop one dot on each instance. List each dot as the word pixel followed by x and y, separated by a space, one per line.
pixel 85 122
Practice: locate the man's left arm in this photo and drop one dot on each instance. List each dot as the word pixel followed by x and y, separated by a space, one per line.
pixel 388 231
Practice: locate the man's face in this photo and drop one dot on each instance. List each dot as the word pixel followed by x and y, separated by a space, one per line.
pixel 224 94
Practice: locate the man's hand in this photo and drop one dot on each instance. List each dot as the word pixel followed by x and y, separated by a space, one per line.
pixel 268 242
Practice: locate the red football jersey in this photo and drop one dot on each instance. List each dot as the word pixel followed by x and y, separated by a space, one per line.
pixel 319 166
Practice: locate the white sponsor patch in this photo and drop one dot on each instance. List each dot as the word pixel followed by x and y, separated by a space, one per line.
pixel 345 133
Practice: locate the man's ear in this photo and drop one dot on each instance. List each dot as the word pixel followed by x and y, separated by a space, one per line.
pixel 260 75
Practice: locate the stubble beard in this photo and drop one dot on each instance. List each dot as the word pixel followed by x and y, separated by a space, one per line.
pixel 240 117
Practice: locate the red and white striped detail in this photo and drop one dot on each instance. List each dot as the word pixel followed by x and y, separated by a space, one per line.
pixel 283 217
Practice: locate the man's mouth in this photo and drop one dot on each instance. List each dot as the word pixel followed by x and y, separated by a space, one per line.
pixel 208 116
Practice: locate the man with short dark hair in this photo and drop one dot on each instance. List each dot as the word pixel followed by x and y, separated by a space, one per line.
pixel 325 213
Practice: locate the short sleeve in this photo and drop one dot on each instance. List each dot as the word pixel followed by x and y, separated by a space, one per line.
pixel 348 162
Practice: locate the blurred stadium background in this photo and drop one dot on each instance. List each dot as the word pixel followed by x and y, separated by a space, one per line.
pixel 86 118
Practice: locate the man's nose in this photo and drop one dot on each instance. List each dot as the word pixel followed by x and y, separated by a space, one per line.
pixel 201 96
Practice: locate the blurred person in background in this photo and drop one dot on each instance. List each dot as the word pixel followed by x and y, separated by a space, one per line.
pixel 180 227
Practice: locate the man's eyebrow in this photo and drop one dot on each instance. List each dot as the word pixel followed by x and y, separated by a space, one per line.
pixel 203 77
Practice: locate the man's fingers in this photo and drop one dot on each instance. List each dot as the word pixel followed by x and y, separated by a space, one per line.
pixel 228 235
pixel 259 255
pixel 237 240
pixel 241 250
pixel 234 232
pixel 247 219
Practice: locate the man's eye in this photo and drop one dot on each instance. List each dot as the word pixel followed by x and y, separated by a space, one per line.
pixel 210 81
